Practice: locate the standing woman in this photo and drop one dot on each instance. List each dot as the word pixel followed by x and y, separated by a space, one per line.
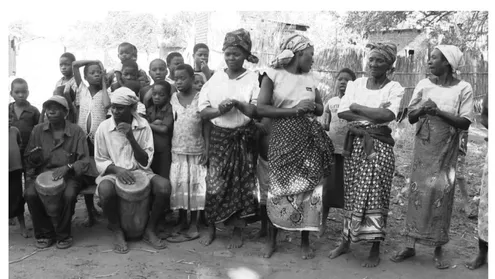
pixel 228 100
pixel 300 152
pixel 442 106
pixel 369 104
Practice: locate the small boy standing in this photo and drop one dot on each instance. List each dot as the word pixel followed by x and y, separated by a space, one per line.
pixel 158 72
pixel 25 116
pixel 16 199
pixel 128 52
pixel 174 59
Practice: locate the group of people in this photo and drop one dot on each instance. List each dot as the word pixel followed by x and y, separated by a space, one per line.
pixel 210 141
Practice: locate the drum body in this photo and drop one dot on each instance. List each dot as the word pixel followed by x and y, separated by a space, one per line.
pixel 134 204
pixel 50 193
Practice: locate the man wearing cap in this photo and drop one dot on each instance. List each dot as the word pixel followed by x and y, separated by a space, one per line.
pixel 124 143
pixel 59 146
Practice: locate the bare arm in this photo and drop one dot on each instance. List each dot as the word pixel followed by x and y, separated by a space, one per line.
pixel 378 115
pixel 350 116
pixel 247 109
pixel 484 112
pixel 414 115
pixel 105 97
pixel 319 104
pixel 454 121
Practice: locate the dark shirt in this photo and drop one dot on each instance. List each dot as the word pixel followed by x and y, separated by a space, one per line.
pixel 44 153
pixel 29 118
pixel 162 141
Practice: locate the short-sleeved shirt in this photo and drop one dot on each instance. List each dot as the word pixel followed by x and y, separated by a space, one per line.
pixel 70 94
pixel 187 137
pixel 457 99
pixel 90 107
pixel 338 126
pixel 68 83
pixel 163 141
pixel 71 149
pixel 15 161
pixel 29 118
pixel 220 87
pixel 290 89
pixel 112 147
pixel 356 92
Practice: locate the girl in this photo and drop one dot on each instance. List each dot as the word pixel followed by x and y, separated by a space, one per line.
pixel 159 115
pixel 189 152
pixel 201 53
pixel 333 192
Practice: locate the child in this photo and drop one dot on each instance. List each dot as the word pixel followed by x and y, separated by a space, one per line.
pixel 92 103
pixel 128 52
pixel 189 154
pixel 69 85
pixel 174 59
pixel 25 116
pixel 16 199
pixel 159 115
pixel 201 53
pixel 333 192
pixel 262 171
pixel 129 79
pixel 158 72
pixel 199 81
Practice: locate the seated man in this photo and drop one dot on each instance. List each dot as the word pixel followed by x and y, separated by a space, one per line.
pixel 61 146
pixel 124 143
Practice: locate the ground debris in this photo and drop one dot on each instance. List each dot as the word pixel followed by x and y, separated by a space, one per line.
pixel 107 275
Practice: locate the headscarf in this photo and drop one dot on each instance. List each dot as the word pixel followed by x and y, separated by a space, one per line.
pixel 242 39
pixel 453 55
pixel 288 47
pixel 126 97
pixel 387 50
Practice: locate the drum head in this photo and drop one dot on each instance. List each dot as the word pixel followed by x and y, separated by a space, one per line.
pixel 139 189
pixel 45 184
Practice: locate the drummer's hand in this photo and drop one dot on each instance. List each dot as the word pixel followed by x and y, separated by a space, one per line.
pixel 59 173
pixel 125 176
pixel 124 128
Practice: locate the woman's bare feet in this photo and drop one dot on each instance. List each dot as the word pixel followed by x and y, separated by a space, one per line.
pixel 236 240
pixel 403 255
pixel 210 236
pixel 478 262
pixel 440 261
pixel 306 251
pixel 374 258
pixel 341 249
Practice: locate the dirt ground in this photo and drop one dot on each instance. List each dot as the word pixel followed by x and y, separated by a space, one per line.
pixel 90 256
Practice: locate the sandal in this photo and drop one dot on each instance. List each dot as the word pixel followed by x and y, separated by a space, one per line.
pixel 182 237
pixel 403 255
pixel 43 243
pixel 64 244
pixel 158 245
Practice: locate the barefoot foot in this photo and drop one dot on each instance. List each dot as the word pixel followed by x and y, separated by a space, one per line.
pixel 209 237
pixel 119 243
pixel 403 255
pixel 477 263
pixel 306 252
pixel 153 240
pixel 236 240
pixel 341 249
pixel 440 261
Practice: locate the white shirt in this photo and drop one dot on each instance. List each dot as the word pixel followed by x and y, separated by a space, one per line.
pixel 356 92
pixel 90 106
pixel 112 147
pixel 220 87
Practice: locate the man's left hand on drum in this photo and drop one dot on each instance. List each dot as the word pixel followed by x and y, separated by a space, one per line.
pixel 60 172
pixel 125 176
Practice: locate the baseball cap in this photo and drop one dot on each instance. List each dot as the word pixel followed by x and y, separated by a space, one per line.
pixel 57 99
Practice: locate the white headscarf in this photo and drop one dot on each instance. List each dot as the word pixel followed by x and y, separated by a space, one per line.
pixel 126 97
pixel 453 55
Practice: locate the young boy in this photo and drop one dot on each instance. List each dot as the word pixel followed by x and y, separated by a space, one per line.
pixel 93 103
pixel 158 72
pixel 129 79
pixel 128 52
pixel 199 81
pixel 174 59
pixel 25 116
pixel 16 199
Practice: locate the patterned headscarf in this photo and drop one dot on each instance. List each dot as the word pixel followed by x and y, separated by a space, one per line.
pixel 387 50
pixel 453 55
pixel 288 47
pixel 240 38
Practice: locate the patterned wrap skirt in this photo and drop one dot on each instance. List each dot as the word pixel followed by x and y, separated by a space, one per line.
pixel 231 176
pixel 367 184
pixel 299 158
pixel 483 206
pixel 188 181
pixel 432 184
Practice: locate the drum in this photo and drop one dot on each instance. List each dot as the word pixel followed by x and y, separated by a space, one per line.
pixel 50 192
pixel 134 204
